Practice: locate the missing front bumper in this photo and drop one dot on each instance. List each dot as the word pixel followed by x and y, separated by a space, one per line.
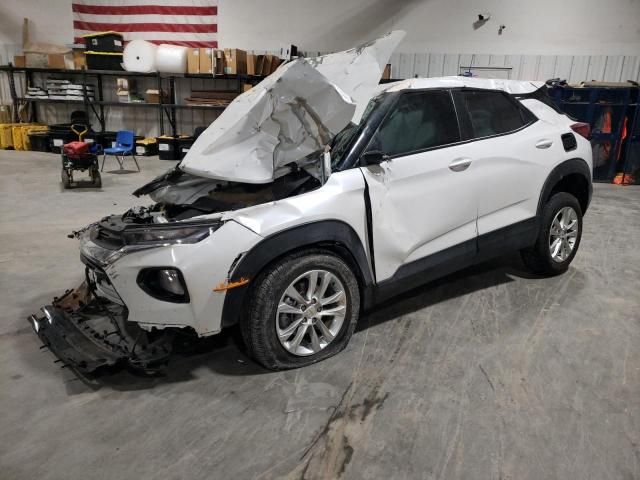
pixel 87 332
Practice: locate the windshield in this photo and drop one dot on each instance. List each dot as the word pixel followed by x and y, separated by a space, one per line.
pixel 342 141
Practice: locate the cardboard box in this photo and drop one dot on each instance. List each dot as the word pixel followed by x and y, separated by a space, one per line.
pixel 5 114
pixel 259 64
pixel 218 62
pixel 79 59
pixel 386 74
pixel 275 63
pixel 60 61
pixel 206 60
pixel 246 87
pixel 36 60
pixel 19 61
pixel 251 63
pixel 193 60
pixel 235 61
pixel 153 96
pixel 267 64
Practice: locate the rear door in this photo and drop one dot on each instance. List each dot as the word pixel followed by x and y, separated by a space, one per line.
pixel 424 197
pixel 512 152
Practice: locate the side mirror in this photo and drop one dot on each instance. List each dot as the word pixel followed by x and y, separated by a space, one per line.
pixel 373 157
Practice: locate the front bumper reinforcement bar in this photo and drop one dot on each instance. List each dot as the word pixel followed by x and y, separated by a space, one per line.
pixel 87 332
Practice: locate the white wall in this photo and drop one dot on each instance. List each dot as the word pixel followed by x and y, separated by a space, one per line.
pixel 50 21
pixel 557 27
pixel 550 27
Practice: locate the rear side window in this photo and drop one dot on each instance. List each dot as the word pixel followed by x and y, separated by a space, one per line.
pixel 491 113
pixel 419 121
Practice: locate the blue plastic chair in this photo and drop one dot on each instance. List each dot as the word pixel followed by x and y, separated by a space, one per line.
pixel 125 146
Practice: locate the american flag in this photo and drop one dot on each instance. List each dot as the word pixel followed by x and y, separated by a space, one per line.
pixel 192 23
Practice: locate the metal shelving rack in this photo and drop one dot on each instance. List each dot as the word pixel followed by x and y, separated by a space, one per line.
pixel 165 110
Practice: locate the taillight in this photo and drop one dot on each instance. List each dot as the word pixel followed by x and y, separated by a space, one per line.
pixel 582 128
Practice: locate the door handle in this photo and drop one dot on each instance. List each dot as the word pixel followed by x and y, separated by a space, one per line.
pixel 460 164
pixel 544 143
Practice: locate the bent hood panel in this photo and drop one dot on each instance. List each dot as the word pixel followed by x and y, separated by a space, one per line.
pixel 357 71
pixel 292 113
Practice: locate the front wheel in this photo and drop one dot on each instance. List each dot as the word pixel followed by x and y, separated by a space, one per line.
pixel 558 238
pixel 96 179
pixel 303 309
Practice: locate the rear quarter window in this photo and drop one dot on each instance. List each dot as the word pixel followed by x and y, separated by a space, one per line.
pixel 491 113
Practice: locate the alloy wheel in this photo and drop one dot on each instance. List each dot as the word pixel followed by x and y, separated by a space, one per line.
pixel 563 234
pixel 311 312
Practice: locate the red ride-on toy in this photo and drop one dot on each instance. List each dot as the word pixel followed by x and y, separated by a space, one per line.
pixel 81 156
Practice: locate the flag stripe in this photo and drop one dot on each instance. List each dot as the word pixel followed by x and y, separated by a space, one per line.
pixel 146 27
pixel 213 44
pixel 169 36
pixel 120 20
pixel 142 10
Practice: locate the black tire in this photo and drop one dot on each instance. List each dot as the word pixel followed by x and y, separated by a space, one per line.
pixel 97 179
pixel 66 180
pixel 538 258
pixel 258 324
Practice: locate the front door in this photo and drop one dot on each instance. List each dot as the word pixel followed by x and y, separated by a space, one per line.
pixel 424 196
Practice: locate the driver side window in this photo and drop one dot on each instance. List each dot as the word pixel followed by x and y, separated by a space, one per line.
pixel 419 121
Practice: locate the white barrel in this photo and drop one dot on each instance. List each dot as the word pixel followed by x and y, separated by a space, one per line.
pixel 171 59
pixel 140 56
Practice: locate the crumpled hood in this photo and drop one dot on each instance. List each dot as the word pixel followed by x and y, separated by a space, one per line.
pixel 292 113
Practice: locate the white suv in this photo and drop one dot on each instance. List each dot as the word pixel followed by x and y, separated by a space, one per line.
pixel 437 175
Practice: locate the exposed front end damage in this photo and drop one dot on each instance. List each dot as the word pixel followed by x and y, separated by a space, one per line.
pixel 86 332
pixel 264 164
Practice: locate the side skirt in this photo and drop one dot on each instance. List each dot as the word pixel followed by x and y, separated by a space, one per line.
pixel 490 245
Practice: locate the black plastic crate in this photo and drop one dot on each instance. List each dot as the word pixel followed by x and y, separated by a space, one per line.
pixel 104 61
pixel 168 148
pixel 106 139
pixel 39 141
pixel 146 149
pixel 184 144
pixel 104 42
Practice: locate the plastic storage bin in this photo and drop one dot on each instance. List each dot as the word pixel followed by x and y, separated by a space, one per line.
pixel 6 135
pixel 167 148
pixel 184 144
pixel 147 147
pixel 20 135
pixel 39 141
pixel 104 42
pixel 104 61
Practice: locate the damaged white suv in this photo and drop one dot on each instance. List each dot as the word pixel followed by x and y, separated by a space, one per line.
pixel 265 226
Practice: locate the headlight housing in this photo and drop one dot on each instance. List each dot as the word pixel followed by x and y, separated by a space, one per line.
pixel 162 234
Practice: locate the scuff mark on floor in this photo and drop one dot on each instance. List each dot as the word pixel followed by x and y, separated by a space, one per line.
pixel 331 451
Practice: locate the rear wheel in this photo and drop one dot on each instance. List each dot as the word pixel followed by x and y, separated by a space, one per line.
pixel 303 309
pixel 559 236
pixel 66 179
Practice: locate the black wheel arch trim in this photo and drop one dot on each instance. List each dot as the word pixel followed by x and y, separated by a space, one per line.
pixel 328 233
pixel 568 167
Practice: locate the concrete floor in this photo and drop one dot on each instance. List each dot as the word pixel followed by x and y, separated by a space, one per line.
pixel 486 374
